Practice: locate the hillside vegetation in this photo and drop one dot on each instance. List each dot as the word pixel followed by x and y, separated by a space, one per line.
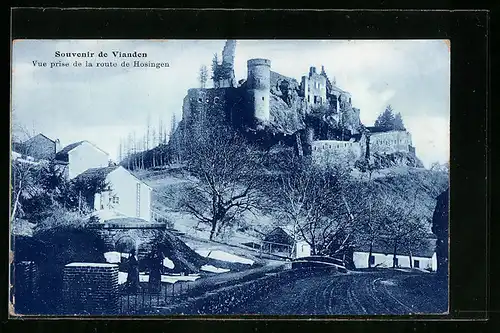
pixel 416 186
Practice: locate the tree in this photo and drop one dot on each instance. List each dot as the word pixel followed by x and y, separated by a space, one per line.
pixel 398 122
pixel 203 76
pixel 226 177
pixel 402 227
pixel 313 200
pixel 24 178
pixel 371 212
pixel 215 66
pixel 24 174
pixel 386 118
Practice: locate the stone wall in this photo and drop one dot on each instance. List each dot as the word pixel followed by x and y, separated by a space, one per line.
pixel 333 151
pixel 143 235
pixel 90 288
pixel 390 142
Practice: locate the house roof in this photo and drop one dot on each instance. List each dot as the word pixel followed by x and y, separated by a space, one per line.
pixel 103 172
pixel 64 152
pixel 68 148
pixel 278 235
pixel 40 134
pixel 385 246
pixel 97 172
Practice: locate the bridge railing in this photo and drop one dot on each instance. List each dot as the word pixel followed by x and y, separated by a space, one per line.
pixel 161 218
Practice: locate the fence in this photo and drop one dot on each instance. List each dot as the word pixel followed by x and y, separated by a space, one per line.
pixel 160 218
pixel 146 297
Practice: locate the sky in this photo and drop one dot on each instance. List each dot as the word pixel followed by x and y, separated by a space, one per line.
pixel 104 105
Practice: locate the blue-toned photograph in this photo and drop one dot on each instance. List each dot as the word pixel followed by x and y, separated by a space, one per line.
pixel 229 177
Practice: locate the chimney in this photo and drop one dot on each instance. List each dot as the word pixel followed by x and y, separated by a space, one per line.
pixel 58 145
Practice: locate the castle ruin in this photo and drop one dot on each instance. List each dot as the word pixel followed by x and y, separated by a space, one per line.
pixel 314 116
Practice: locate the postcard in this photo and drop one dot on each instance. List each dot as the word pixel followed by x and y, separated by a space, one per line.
pixel 229 177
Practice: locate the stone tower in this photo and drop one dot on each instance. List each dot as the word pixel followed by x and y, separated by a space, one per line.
pixel 228 62
pixel 258 85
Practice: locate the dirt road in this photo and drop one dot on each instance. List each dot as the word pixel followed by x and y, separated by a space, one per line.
pixel 357 293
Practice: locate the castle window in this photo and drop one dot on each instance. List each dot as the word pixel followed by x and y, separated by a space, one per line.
pixel 262 97
pixel 216 100
pixel 116 200
pixel 200 100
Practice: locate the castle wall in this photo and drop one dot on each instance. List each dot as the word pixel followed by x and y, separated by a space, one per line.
pixel 333 151
pixel 205 105
pixel 258 85
pixel 390 142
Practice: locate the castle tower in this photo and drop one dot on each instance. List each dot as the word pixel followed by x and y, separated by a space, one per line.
pixel 259 86
pixel 228 52
pixel 224 72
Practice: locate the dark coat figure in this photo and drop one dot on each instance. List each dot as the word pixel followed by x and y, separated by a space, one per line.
pixel 155 268
pixel 133 272
pixel 440 229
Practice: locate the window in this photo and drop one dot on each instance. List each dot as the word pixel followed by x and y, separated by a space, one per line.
pixel 416 263
pixel 372 260
pixel 262 97
pixel 216 100
pixel 200 99
pixel 116 200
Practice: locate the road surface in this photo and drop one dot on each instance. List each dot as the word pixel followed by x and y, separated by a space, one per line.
pixel 356 293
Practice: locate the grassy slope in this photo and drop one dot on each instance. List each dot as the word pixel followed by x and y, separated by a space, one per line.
pixel 396 181
pixel 417 185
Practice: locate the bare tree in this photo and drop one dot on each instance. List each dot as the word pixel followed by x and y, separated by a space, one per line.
pixel 203 76
pixel 371 214
pixel 226 177
pixel 402 227
pixel 160 131
pixel 148 133
pixel 312 199
pixel 25 173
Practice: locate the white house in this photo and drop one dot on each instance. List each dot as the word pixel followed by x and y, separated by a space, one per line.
pixel 301 249
pixel 423 256
pixel 126 193
pixel 279 241
pixel 80 156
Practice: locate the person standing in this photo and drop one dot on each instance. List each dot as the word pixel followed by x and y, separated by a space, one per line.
pixel 155 263
pixel 133 272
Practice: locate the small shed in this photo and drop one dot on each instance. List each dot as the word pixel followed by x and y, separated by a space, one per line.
pixel 278 241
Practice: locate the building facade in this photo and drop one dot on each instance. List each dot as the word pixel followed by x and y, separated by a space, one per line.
pixel 422 256
pixel 125 194
pixel 78 157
